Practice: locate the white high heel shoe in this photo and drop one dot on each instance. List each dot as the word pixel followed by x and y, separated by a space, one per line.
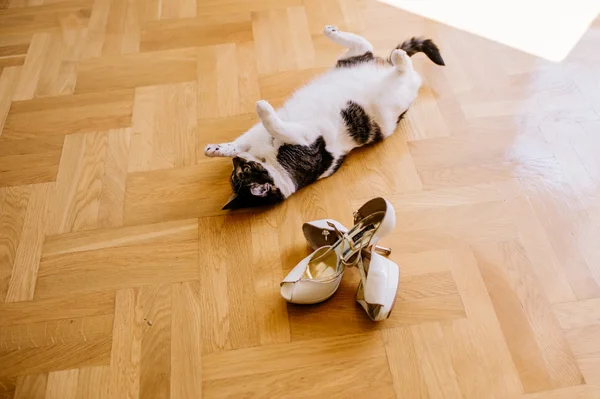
pixel 317 277
pixel 376 292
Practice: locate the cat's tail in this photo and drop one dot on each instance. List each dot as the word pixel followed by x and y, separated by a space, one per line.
pixel 422 45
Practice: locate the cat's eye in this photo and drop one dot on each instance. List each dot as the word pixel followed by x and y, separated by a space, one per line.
pixel 246 169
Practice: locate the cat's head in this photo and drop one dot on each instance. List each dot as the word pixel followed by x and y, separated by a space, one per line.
pixel 252 185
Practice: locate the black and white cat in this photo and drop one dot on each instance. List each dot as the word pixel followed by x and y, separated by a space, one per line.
pixel 358 102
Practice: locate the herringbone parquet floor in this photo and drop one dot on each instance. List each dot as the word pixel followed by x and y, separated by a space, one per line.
pixel 121 278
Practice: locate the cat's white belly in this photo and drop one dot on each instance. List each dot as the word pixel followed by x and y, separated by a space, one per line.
pixel 378 89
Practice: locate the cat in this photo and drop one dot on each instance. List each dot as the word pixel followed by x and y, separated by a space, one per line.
pixel 358 102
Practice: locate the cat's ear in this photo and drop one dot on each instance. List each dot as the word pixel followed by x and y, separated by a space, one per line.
pixel 234 202
pixel 260 190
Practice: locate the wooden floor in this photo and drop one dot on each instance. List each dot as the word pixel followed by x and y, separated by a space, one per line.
pixel 121 278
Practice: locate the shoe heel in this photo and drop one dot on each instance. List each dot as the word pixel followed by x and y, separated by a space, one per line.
pixel 385 251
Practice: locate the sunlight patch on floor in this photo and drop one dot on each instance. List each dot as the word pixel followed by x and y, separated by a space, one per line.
pixel 545 28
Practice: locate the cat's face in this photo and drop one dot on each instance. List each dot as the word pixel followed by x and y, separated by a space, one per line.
pixel 252 186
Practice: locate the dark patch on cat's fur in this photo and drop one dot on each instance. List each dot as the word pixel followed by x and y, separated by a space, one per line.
pixel 361 127
pixel 357 59
pixel 338 163
pixel 305 164
pixel 401 116
pixel 421 45
pixel 248 174
pixel 377 136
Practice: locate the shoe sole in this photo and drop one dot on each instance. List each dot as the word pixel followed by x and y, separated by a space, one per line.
pixel 395 291
pixel 396 296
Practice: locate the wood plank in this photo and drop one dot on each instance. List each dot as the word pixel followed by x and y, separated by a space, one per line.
pixel 59 74
pixel 112 197
pixel 31 386
pixel 467 355
pixel 186 341
pixel 30 161
pixel 32 67
pixel 461 176
pixel 306 324
pixel 118 268
pixel 178 9
pixel 62 384
pixel 13 201
pixel 529 318
pixel 27 258
pixel 243 327
pixel 169 138
pixel 227 80
pixel 266 263
pixel 125 354
pixel 484 321
pixel 225 129
pixel 194 32
pixel 60 307
pixel 9 76
pixel 329 380
pixel 90 185
pixel 171 194
pixel 267 359
pixel 216 8
pixel 120 237
pixel 43 17
pixel 404 363
pixel 578 314
pixel 155 360
pixel 76 200
pixel 283 40
pixel 93 382
pixel 135 70
pixel 69 114
pixel 55 357
pixel 434 356
pixel 47 333
pixel 461 151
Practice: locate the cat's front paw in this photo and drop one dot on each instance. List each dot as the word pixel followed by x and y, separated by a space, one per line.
pixel 221 150
pixel 212 150
pixel 330 30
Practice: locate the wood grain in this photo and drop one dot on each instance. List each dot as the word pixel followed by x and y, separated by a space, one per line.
pixel 133 70
pixel 195 32
pixel 69 114
pixel 31 386
pixel 30 161
pixel 93 382
pixel 62 384
pixel 27 258
pixel 60 307
pixel 129 266
pixel 186 341
pixel 168 139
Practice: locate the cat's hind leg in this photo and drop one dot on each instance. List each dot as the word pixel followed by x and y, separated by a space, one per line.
pixel 401 61
pixel 356 45
pixel 221 150
pixel 286 132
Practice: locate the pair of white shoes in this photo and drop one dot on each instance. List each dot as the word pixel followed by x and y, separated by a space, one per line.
pixel 318 276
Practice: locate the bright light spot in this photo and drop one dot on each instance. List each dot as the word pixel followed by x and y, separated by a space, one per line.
pixel 545 28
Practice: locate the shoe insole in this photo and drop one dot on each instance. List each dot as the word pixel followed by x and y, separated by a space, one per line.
pixel 321 267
